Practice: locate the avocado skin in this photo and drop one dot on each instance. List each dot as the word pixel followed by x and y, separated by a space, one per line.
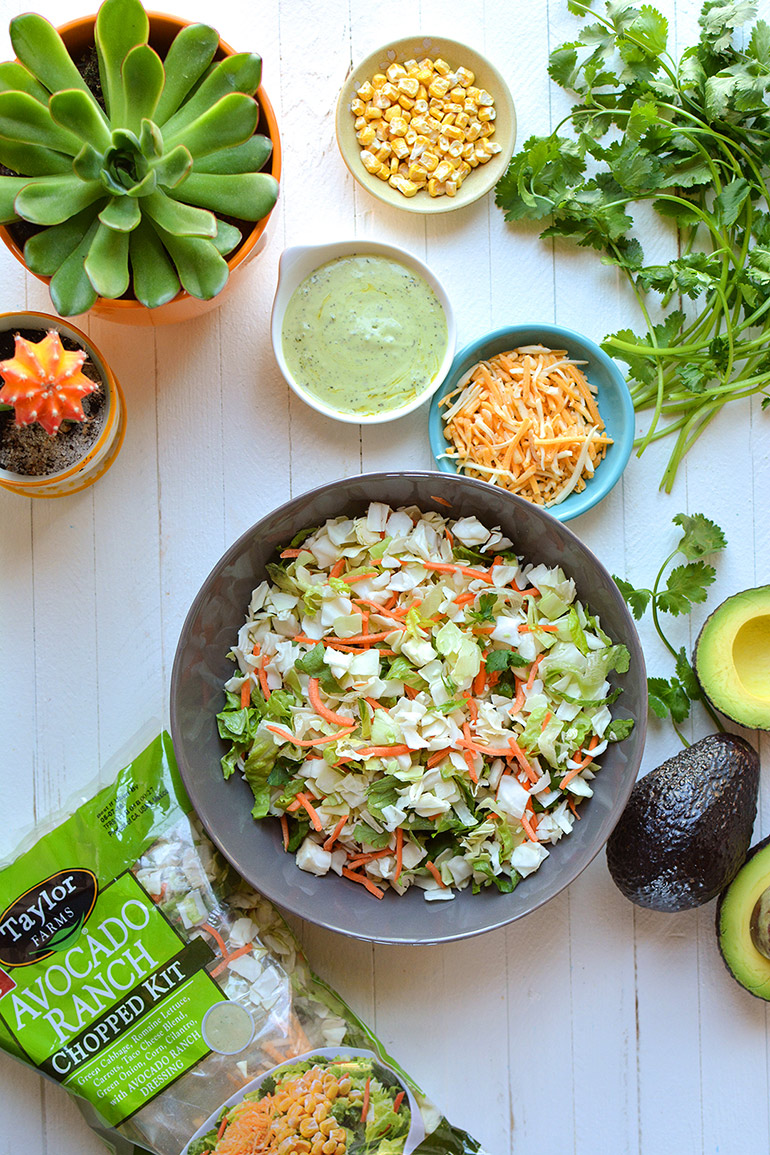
pixel 687 825
pixel 761 848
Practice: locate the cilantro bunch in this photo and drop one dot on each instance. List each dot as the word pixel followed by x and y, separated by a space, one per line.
pixel 693 138
pixel 685 586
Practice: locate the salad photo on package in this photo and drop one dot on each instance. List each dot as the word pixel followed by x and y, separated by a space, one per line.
pixel 417 706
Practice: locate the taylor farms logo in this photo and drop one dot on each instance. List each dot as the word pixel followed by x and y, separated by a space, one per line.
pixel 46 918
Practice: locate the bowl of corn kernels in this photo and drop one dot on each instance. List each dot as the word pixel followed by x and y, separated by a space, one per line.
pixel 426 124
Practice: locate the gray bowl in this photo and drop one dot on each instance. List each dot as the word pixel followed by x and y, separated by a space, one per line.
pixel 201 666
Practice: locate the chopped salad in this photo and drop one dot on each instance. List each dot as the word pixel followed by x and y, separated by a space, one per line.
pixel 347 1106
pixel 416 706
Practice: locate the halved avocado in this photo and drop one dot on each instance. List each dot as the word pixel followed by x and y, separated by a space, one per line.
pixel 738 912
pixel 732 658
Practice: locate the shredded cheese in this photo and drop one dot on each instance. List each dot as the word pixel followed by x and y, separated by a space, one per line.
pixel 526 420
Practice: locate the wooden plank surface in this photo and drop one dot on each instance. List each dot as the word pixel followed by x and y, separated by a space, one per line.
pixel 589 1027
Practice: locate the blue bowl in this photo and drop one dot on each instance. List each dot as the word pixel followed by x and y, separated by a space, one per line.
pixel 613 399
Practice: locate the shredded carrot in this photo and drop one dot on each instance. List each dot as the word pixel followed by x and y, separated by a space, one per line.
pixel 399 852
pixel 287 737
pixel 358 577
pixel 222 1126
pixel 480 680
pixel 520 698
pixel 356 860
pixel 439 756
pixel 337 568
pixel 581 764
pixel 312 812
pixel 398 1101
pixel 546 720
pixel 529 829
pixel 291 552
pixel 435 872
pixel 374 703
pixel 241 950
pixel 246 694
pixel 522 760
pixel 216 936
pixel 365 1102
pixel 465 599
pixel 285 831
pixel 314 695
pixel 526 420
pixel 329 843
pixel 262 676
pixel 370 886
pixel 382 751
pixel 533 671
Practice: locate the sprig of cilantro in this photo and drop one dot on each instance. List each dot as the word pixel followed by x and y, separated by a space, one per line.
pixel 685 586
pixel 691 137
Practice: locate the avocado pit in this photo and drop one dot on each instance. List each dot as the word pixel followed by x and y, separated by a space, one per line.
pixel 759 924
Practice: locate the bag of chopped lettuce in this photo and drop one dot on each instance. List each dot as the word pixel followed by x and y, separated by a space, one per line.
pixel 172 1000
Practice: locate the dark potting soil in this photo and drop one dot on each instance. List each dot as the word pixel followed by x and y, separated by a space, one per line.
pixel 32 452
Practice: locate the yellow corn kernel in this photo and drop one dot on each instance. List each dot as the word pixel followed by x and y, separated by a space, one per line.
pixel 408 86
pixel 435 187
pixel 447 118
pixel 359 123
pixel 471 107
pixel 392 111
pixel 307 1127
pixel 482 155
pixel 450 188
pixel 422 93
pixel 329 1147
pixel 357 106
pixel 390 91
pixel 473 93
pixel 366 92
pixel 409 66
pixel 406 187
pixel 453 132
pixel 417 173
pixel 399 126
pixel 394 72
pixel 411 136
pixel 461 172
pixel 406 102
pixel 382 128
pixel 380 100
pixel 462 120
pixel 455 149
pixel 382 151
pixel 488 129
pixel 400 147
pixel 473 160
pixel 441 67
pixel 370 162
pixel 372 112
pixel 494 147
pixel 384 172
pixel 465 76
pixel 467 150
pixel 443 144
pixel 394 165
pixel 429 160
pixel 444 170
pixel 473 131
pixel 453 109
pixel 426 68
pixel 379 79
pixel 457 94
pixel 486 112
pixel 366 136
pixel 485 97
pixel 438 87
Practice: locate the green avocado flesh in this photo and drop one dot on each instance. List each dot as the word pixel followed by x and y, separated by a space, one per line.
pixel 736 911
pixel 732 658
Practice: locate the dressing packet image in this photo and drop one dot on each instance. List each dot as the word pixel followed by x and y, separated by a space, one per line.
pixel 172 1000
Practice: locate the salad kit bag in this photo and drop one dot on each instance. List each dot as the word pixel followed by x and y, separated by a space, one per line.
pixel 140 972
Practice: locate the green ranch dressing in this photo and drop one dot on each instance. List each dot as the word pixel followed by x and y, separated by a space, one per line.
pixel 364 334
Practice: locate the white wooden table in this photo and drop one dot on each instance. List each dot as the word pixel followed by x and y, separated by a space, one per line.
pixel 591 1026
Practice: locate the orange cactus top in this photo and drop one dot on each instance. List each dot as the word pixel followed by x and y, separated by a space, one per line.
pixel 44 383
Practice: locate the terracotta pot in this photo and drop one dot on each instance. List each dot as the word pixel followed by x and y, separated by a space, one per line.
pixel 78 35
pixel 105 449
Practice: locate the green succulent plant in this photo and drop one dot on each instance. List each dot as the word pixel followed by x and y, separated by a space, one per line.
pixel 129 192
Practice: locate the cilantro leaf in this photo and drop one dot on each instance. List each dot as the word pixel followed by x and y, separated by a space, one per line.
pixel 701 536
pixel 687 584
pixel 638 600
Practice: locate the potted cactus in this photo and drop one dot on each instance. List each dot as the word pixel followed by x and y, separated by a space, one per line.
pixel 62 411
pixel 134 148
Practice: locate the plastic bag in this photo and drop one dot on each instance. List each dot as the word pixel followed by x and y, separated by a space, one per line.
pixel 138 970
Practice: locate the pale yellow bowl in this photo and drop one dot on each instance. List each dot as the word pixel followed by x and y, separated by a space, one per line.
pixel 478 182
